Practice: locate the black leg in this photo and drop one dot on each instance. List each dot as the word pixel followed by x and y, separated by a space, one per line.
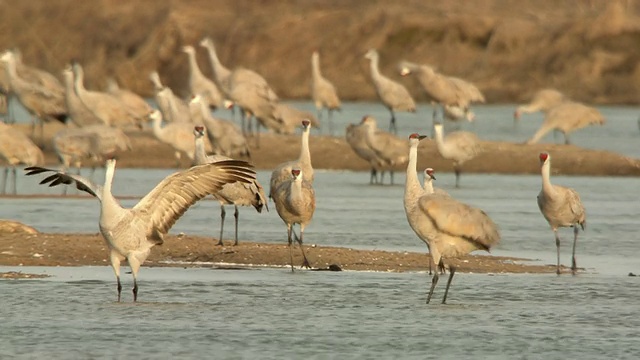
pixel 135 290
pixel 119 288
pixel 289 228
pixel 15 188
pixel 452 271
pixel 223 213
pixel 457 171
pixel 434 281
pixel 236 215
pixel 305 262
pixel 555 231
pixel 4 180
pixel 574 266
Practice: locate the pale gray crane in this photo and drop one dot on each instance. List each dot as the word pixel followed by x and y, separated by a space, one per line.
pixel 226 137
pixel 134 102
pixel 131 233
pixel 177 135
pixel 282 172
pixel 79 113
pixel 43 103
pixel 200 84
pixel 173 108
pixel 560 114
pixel 323 93
pixel 253 95
pixel 295 201
pixel 221 74
pixel 91 142
pixel 390 150
pixel 429 177
pixel 356 136
pixel 459 146
pixel 288 119
pixel 561 207
pixel 453 94
pixel 16 148
pixel 393 95
pixel 448 227
pixel 106 107
pixel 236 194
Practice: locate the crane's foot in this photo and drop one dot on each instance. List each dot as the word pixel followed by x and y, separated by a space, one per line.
pixel 220 243
pixel 305 264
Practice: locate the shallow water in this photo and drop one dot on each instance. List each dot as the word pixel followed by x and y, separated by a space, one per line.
pixel 271 313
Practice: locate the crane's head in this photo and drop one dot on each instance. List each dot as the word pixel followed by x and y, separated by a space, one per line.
pixel 306 123
pixel 368 119
pixel 198 131
pixel 371 54
pixel 188 49
pixel 543 157
pixel 417 137
pixel 430 173
pixel 295 173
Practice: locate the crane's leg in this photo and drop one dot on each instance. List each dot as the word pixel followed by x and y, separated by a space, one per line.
pixel 290 246
pixel 434 281
pixel 430 272
pixel 456 169
pixel 566 139
pixel 4 180
pixel 391 176
pixel 381 178
pixel 115 264
pixel 330 122
pixel 555 231
pixel 236 214
pixel 373 179
pixel 574 266
pixel 305 262
pixel 452 271
pixel 223 213
pixel 392 124
pixel 13 170
pixel 135 267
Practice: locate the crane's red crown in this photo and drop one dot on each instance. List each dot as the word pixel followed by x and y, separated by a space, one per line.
pixel 543 156
pixel 199 128
pixel 295 172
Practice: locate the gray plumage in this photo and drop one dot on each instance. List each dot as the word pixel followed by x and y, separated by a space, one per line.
pixel 16 148
pixel 251 92
pixel 106 107
pixel 392 94
pixel 452 92
pixel 236 194
pixel 323 93
pixel 226 137
pixel 561 207
pixel 390 150
pixel 134 102
pixel 177 135
pixel 79 113
pixel 173 108
pixel 295 201
pixel 459 146
pixel 448 227
pixel 200 84
pixel 282 172
pixel 221 74
pixel 288 118
pixel 131 233
pixel 429 177
pixel 356 136
pixel 44 102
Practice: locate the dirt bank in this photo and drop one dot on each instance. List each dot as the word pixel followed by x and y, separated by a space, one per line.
pixel 588 49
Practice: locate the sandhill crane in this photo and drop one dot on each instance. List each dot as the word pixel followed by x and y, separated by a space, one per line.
pixel 4 107
pixel 16 148
pixel 282 172
pixel 253 95
pixel 177 135
pixel 43 103
pixel 95 142
pixel 389 149
pixel 79 113
pixel 131 233
pixel 560 114
pixel 392 94
pixel 429 177
pixel 561 207
pixel 448 227
pixel 453 94
pixel 226 137
pixel 200 84
pixel 323 93
pixel 221 74
pixel 459 146
pixel 289 118
pixel 106 107
pixel 356 136
pixel 243 194
pixel 173 108
pixel 295 202
pixel 134 102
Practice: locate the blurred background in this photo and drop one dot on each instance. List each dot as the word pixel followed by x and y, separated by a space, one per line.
pixel 508 48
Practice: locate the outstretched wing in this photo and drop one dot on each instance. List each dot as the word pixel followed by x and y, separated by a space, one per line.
pixel 171 198
pixel 60 177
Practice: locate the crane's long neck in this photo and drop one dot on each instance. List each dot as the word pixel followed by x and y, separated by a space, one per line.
pixel 157 129
pixel 428 185
pixel 305 155
pixel 219 70
pixel 193 65
pixel 10 68
pixel 373 65
pixel 439 137
pixel 200 155
pixel 78 81
pixel 547 187
pixel 315 66
pixel 296 189
pixel 412 189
